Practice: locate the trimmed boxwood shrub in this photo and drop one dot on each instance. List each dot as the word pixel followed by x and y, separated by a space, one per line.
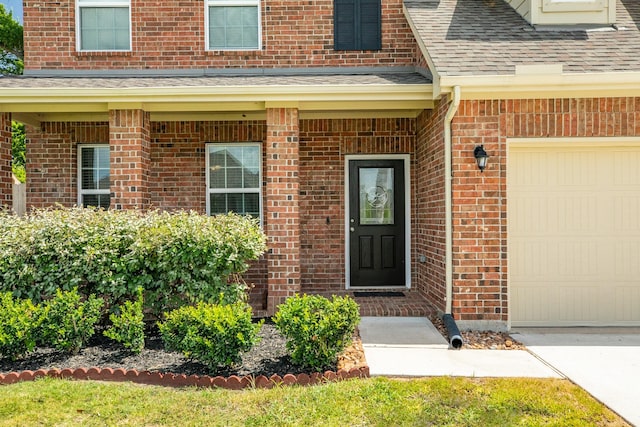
pixel 127 324
pixel 66 322
pixel 18 323
pixel 317 329
pixel 213 334
pixel 176 258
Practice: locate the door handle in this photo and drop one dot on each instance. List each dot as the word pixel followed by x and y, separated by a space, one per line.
pixel 352 229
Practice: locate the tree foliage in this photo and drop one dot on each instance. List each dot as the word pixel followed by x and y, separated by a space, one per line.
pixel 11 44
pixel 18 151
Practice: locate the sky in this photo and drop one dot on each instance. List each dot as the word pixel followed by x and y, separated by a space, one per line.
pixel 15 6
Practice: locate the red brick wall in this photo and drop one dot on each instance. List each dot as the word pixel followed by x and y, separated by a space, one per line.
pixel 170 35
pixel 177 177
pixel 480 206
pixel 129 143
pixel 6 181
pixel 430 205
pixel 282 205
pixel 52 164
pixel 323 145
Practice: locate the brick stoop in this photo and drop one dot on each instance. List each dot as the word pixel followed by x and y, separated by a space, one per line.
pixel 180 380
pixel 410 304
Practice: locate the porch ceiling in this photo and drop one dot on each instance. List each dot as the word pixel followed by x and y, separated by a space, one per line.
pixel 34 99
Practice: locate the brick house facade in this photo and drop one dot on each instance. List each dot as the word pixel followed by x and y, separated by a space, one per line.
pixel 323 120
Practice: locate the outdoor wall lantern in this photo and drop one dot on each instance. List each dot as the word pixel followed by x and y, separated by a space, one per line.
pixel 481 157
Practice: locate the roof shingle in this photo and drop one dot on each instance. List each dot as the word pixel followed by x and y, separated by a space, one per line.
pixel 482 37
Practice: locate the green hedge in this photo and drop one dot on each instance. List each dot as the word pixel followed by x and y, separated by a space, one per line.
pixel 317 329
pixel 213 334
pixel 18 326
pixel 66 322
pixel 175 257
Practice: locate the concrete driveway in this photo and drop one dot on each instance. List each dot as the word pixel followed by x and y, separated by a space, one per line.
pixel 603 361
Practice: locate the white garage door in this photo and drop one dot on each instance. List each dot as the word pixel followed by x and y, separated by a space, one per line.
pixel 574 234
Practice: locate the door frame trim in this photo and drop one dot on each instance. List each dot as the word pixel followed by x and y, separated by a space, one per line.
pixel 407 216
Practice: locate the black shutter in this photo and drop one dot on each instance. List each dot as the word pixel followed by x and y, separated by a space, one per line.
pixel 357 25
pixel 370 25
pixel 344 24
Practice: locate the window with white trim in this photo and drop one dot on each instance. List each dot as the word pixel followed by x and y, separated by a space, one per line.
pixel 232 24
pixel 93 176
pixel 103 25
pixel 234 179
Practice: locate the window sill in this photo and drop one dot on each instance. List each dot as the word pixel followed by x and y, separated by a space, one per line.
pixel 237 52
pixel 103 53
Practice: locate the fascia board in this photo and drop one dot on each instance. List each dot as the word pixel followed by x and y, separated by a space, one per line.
pixel 101 98
pixel 544 85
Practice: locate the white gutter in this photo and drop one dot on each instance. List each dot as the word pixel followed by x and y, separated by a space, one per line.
pixel 448 178
pixel 527 84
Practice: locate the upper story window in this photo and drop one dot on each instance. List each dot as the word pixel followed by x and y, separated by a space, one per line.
pixel 233 179
pixel 232 24
pixel 356 25
pixel 103 25
pixel 93 176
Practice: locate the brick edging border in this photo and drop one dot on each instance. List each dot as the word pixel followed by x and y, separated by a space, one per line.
pixel 233 382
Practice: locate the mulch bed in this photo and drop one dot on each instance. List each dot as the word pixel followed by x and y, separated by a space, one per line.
pixel 269 358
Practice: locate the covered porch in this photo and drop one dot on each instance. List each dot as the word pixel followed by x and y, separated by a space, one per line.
pixel 158 131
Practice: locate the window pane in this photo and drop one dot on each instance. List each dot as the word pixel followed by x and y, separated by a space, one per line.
pixel 217 177
pixel 234 178
pixel 218 204
pixel 233 27
pixel 240 203
pixel 234 167
pixel 235 203
pixel 104 28
pixel 252 204
pixel 376 196
pixel 251 178
pixel 94 168
pixel 96 200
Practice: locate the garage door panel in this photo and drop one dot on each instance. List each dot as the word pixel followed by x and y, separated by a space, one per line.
pixel 625 168
pixel 626 259
pixel 577 302
pixel 551 214
pixel 626 206
pixel 574 235
pixel 627 303
pixel 557 259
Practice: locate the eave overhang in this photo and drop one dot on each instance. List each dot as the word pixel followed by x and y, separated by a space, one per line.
pixel 542 86
pixel 230 102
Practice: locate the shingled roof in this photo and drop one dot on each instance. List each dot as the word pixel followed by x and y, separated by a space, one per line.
pixel 487 37
pixel 373 78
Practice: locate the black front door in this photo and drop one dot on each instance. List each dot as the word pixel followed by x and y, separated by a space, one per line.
pixel 376 223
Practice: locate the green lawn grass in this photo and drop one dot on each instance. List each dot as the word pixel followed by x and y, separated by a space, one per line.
pixel 385 402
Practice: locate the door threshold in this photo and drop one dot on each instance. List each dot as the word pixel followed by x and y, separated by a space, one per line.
pixel 385 294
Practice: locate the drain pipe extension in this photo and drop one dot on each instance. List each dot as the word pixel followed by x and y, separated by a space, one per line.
pixel 455 339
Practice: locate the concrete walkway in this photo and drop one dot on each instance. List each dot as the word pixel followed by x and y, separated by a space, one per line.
pixel 412 346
